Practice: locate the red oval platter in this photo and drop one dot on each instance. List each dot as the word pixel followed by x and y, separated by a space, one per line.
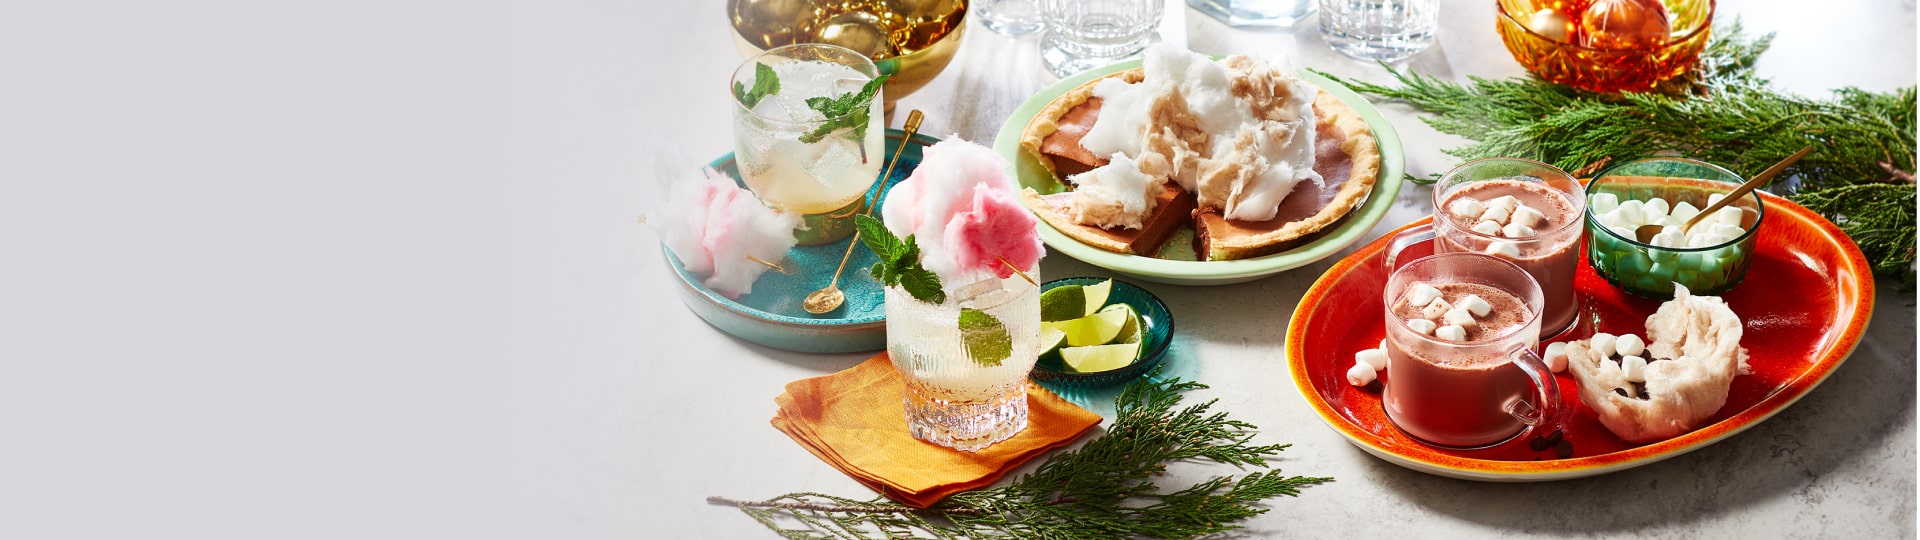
pixel 1805 302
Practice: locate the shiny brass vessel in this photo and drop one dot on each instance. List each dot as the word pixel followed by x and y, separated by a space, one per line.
pixel 910 40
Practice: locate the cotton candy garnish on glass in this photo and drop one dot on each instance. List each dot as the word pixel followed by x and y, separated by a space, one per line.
pixel 715 227
pixel 964 213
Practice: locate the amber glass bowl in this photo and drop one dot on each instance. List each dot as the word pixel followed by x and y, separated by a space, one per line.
pixel 910 40
pixel 1604 70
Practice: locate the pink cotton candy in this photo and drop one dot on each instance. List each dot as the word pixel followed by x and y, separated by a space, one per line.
pixel 993 228
pixel 716 229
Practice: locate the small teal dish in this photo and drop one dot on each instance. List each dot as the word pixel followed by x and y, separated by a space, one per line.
pixel 771 315
pixel 1157 333
pixel 1652 271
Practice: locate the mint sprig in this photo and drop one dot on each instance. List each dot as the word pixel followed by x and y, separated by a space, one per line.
pixel 849 110
pixel 765 83
pixel 986 338
pixel 899 264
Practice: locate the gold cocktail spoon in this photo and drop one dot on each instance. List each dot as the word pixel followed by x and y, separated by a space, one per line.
pixel 828 299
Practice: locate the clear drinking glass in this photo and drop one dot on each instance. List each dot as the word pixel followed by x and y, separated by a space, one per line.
pixel 1086 34
pixel 823 179
pixel 1386 30
pixel 1468 393
pixel 1009 17
pixel 951 399
pixel 1256 13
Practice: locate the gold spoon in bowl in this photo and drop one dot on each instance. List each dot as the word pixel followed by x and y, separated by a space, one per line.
pixel 825 300
pixel 1645 233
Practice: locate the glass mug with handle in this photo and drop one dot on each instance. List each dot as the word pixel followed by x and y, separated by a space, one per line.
pixel 1468 390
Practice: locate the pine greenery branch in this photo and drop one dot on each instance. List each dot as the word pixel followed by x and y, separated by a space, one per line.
pixel 1860 175
pixel 1105 489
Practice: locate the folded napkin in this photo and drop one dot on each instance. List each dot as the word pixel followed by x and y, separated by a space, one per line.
pixel 855 420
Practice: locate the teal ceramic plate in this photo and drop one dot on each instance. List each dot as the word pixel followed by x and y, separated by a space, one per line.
pixel 771 315
pixel 1030 173
pixel 1157 333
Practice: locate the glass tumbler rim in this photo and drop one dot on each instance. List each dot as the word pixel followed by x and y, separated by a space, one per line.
pixel 1536 301
pixel 864 65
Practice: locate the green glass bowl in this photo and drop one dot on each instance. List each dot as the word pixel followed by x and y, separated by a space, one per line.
pixel 1651 271
pixel 1156 333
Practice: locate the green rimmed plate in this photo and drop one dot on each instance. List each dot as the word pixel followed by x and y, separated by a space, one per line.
pixel 1027 170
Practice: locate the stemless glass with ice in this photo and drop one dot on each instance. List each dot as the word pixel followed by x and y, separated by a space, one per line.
pixel 823 179
pixel 1475 392
pixel 951 399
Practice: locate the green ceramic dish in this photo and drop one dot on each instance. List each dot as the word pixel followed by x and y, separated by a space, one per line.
pixel 1030 173
pixel 1157 333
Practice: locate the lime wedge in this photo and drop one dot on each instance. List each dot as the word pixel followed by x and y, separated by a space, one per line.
pixel 1065 302
pixel 1129 329
pixel 1097 358
pixel 1096 329
pixel 1097 296
pixel 1051 339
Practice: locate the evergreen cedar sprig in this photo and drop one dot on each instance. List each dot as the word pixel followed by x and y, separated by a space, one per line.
pixel 1102 490
pixel 1860 174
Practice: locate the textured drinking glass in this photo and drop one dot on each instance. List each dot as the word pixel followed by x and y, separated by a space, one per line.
pixel 952 400
pixel 1086 34
pixel 1009 17
pixel 1256 13
pixel 824 179
pixel 1551 256
pixel 1386 30
pixel 1467 394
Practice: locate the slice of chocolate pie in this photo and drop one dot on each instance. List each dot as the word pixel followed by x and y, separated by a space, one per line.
pixel 1222 170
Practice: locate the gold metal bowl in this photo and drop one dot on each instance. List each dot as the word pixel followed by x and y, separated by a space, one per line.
pixel 910 40
pixel 1605 70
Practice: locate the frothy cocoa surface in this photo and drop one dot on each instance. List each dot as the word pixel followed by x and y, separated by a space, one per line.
pixel 1508 310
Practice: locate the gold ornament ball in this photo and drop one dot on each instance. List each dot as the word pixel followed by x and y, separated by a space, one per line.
pixel 1625 24
pixel 858 30
pixel 1552 24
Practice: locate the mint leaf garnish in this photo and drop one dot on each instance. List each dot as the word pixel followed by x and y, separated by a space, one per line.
pixel 899 264
pixel 985 337
pixel 765 83
pixel 850 110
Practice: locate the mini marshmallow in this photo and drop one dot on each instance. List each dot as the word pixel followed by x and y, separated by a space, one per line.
pixel 1730 215
pixel 1668 238
pixel 1436 308
pixel 1714 198
pixel 1466 208
pixel 1601 343
pixel 1614 219
pixel 1451 332
pixel 1476 305
pixel 1635 368
pixel 1631 212
pixel 1421 294
pixel 1361 375
pixel 1698 240
pixel 1684 211
pixel 1506 249
pixel 1602 203
pixel 1383 345
pixel 1556 357
pixel 1516 230
pixel 1527 216
pixel 1654 208
pixel 1374 358
pixel 1622 231
pixel 1496 214
pixel 1508 202
pixel 1422 326
pixel 1459 316
pixel 1629 345
pixel 1729 231
pixel 1487 228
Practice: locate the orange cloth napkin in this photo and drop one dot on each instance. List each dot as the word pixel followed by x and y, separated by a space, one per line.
pixel 855 420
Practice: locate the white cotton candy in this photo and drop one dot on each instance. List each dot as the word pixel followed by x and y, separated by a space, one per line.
pixel 1602 203
pixel 1602 343
pixel 1451 332
pixel 1361 374
pixel 1516 230
pixel 1525 215
pixel 1505 249
pixel 1422 326
pixel 1459 316
pixel 1556 357
pixel 1466 208
pixel 1436 308
pixel 1421 294
pixel 1635 368
pixel 1374 358
pixel 1629 345
pixel 1487 228
pixel 1476 305
pixel 1495 214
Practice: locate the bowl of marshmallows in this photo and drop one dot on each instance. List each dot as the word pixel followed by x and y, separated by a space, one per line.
pixel 1708 258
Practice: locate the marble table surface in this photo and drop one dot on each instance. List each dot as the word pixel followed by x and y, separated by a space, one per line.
pixel 648 410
